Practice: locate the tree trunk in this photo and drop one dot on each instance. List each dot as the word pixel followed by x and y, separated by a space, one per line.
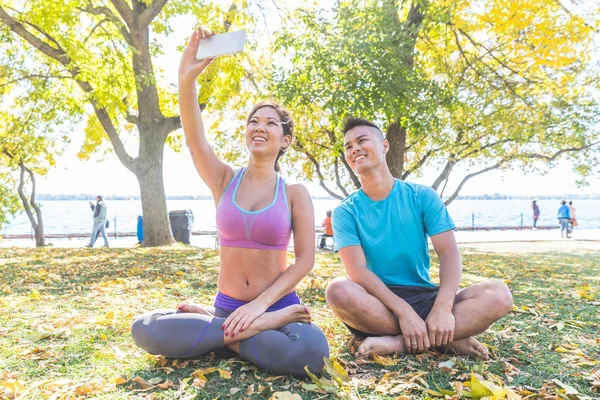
pixel 38 226
pixel 396 135
pixel 149 173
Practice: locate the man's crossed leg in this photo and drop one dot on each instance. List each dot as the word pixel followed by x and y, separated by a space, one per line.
pixel 475 309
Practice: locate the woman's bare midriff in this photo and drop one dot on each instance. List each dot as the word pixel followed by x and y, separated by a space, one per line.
pixel 246 273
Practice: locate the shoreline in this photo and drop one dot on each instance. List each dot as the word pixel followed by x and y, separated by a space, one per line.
pixel 519 241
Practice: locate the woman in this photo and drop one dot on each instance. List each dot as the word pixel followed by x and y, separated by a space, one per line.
pixel 257 313
pixel 573 220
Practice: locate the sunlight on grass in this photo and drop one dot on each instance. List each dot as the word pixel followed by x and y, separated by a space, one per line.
pixel 65 317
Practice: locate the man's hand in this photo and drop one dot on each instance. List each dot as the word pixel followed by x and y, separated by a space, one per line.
pixel 414 332
pixel 440 325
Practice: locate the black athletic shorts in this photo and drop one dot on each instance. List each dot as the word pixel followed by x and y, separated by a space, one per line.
pixel 420 298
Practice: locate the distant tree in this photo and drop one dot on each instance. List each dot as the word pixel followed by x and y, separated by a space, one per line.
pixel 9 201
pixel 455 84
pixel 29 127
pixel 102 53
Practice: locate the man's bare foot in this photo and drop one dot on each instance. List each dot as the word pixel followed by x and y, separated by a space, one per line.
pixel 280 318
pixel 468 347
pixel 194 309
pixel 381 345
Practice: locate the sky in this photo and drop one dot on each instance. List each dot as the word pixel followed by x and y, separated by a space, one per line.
pixel 107 176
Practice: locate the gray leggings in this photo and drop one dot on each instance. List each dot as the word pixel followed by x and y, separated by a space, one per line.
pixel 184 335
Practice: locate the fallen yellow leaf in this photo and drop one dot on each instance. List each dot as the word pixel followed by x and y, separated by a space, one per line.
pixel 385 361
pixel 225 374
pixel 285 396
pixel 120 380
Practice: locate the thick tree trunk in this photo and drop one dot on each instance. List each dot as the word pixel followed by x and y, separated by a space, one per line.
pixel 396 135
pixel 149 172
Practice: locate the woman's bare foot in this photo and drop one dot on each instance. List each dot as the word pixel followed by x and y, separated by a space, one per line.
pixel 280 318
pixel 381 345
pixel 194 309
pixel 468 347
pixel 270 320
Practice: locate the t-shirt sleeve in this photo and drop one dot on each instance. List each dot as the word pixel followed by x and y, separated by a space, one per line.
pixel 434 212
pixel 345 231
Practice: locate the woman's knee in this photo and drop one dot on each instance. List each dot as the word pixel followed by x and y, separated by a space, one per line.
pixel 144 333
pixel 141 332
pixel 308 352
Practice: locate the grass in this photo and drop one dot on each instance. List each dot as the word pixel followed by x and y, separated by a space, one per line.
pixel 65 317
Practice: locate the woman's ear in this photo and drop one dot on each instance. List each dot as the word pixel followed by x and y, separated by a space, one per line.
pixel 285 144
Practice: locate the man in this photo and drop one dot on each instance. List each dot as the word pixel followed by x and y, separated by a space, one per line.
pixel 381 234
pixel 327 229
pixel 99 210
pixel 564 217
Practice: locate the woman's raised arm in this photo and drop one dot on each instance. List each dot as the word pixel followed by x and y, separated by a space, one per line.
pixel 215 173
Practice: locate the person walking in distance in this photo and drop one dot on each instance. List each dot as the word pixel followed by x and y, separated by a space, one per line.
pixel 564 218
pixel 573 220
pixel 536 213
pixel 99 210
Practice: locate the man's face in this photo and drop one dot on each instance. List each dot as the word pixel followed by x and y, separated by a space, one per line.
pixel 97 198
pixel 364 148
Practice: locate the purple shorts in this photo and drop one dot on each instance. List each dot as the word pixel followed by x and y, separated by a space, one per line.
pixel 230 304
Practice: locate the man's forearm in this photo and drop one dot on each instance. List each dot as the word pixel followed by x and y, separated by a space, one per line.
pixel 375 287
pixel 450 275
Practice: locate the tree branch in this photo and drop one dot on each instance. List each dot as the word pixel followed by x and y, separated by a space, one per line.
pixel 418 165
pixel 151 12
pixel 124 11
pixel 113 18
pixel 338 181
pixel 317 169
pixel 466 178
pixel 560 152
pixel 61 57
pixel 494 57
pixel 171 124
pixel 22 78
pixel 443 175
pixel 20 30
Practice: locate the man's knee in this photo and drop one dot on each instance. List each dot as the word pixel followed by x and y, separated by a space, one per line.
pixel 338 292
pixel 500 298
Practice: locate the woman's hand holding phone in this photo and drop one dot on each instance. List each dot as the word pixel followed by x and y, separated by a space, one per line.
pixel 189 67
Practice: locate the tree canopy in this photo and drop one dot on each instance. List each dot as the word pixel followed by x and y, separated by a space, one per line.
pixel 476 85
pixel 102 54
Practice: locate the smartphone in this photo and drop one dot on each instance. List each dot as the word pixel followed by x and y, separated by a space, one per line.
pixel 221 45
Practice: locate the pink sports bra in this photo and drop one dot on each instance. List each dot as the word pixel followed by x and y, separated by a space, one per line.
pixel 266 229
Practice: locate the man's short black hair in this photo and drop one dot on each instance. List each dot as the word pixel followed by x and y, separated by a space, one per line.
pixel 352 123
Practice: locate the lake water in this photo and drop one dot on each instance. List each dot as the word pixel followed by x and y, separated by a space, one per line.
pixel 76 216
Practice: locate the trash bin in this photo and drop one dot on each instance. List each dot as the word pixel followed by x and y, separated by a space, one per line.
pixel 140 229
pixel 181 225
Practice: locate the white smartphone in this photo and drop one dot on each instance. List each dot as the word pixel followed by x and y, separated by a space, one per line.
pixel 221 45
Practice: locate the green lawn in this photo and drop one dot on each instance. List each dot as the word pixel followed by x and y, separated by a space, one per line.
pixel 65 317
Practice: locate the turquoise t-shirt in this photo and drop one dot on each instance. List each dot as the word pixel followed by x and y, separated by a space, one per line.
pixel 393 232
